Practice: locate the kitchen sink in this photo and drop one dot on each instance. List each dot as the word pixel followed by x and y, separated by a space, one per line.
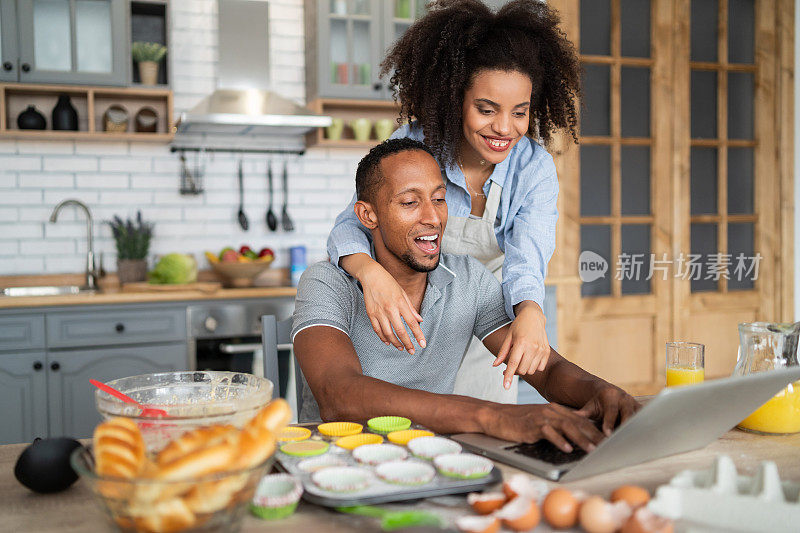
pixel 53 290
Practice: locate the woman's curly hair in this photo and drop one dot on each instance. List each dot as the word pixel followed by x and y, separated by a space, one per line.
pixel 434 62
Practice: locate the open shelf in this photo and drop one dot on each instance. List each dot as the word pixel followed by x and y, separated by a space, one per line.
pixel 349 110
pixel 91 103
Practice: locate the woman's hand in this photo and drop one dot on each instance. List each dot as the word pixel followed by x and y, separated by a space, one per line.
pixel 525 348
pixel 386 302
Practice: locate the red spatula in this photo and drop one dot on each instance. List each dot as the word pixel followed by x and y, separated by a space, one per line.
pixel 146 411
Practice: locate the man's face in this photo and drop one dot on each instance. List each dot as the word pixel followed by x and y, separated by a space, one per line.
pixel 411 209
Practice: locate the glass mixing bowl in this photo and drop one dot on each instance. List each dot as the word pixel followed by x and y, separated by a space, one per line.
pixel 191 400
pixel 215 502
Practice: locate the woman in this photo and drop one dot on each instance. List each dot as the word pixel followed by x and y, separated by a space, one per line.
pixel 480 86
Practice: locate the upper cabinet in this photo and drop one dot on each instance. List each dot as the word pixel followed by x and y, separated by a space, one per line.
pixel 64 41
pixel 347 41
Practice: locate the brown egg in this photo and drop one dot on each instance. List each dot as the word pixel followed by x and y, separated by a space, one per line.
pixel 633 494
pixel 478 524
pixel 644 521
pixel 520 514
pixel 560 508
pixel 598 516
pixel 486 503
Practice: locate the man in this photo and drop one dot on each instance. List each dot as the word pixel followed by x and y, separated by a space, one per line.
pixel 352 375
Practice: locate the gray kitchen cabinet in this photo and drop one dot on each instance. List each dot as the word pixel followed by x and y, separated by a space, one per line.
pixel 72 41
pixel 109 327
pixel 8 41
pixel 347 41
pixel 23 395
pixel 72 410
pixel 21 332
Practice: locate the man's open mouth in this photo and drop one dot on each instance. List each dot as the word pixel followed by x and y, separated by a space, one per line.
pixel 428 243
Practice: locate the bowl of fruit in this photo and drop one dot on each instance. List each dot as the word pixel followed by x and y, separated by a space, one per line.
pixel 239 269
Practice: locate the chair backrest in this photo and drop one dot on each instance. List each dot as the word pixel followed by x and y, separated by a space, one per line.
pixel 277 335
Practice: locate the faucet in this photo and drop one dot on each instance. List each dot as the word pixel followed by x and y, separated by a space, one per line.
pixel 91 269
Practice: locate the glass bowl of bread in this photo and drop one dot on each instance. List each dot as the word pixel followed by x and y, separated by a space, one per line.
pixel 203 480
pixel 190 400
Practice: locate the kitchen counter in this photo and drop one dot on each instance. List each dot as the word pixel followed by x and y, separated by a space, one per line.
pixel 117 297
pixel 75 510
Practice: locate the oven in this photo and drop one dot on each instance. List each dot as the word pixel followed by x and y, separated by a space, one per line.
pixel 227 336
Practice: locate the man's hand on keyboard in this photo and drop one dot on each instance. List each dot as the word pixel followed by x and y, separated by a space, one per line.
pixel 610 404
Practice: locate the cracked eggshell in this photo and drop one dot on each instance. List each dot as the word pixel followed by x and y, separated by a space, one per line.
pixel 486 503
pixel 478 524
pixel 520 514
pixel 645 521
pixel 522 485
pixel 560 508
pixel 598 516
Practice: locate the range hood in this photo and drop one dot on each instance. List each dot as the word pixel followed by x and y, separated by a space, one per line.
pixel 243 114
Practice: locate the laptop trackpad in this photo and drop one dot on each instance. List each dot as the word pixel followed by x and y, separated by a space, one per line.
pixel 544 450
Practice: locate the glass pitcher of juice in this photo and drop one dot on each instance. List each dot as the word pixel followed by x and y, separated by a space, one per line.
pixel 765 346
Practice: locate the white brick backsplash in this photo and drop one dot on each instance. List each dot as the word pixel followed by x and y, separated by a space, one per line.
pixel 101 181
pixel 47 247
pixel 70 164
pixel 117 178
pixel 19 162
pixel 17 197
pixel 45 181
pixel 19 230
pixel 45 147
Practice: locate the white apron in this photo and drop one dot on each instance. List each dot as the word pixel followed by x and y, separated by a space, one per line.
pixel 475 236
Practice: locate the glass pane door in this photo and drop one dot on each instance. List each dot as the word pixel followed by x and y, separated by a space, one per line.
pixel 52 42
pixel 351 24
pixel 616 218
pixel 723 145
pixel 93 35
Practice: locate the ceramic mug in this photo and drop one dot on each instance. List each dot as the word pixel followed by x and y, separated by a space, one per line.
pixel 334 131
pixel 361 128
pixel 384 128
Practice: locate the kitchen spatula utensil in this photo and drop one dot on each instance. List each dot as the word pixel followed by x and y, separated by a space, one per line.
pixel 146 411
pixel 272 220
pixel 285 220
pixel 242 217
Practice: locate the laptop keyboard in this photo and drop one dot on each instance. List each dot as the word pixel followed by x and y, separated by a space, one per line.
pixel 544 450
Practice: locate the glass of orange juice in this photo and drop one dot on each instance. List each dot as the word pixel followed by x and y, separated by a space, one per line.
pixel 685 363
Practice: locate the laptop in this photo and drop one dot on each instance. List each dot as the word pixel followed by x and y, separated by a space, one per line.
pixel 677 420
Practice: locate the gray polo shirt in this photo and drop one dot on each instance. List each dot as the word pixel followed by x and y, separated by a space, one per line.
pixel 462 299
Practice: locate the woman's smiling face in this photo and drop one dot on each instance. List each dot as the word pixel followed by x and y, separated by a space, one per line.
pixel 495 114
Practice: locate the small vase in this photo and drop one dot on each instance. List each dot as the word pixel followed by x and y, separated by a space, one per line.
pixel 148 72
pixel 131 270
pixel 31 119
pixel 65 117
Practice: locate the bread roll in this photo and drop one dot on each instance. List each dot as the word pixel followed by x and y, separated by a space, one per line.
pixel 118 448
pixel 194 440
pixel 167 516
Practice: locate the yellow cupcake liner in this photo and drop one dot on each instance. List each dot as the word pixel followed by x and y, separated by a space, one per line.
pixel 294 433
pixel 402 437
pixel 339 429
pixel 352 442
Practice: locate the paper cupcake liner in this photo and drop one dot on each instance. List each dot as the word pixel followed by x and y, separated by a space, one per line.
pixel 387 424
pixel 402 437
pixel 277 490
pixel 375 454
pixel 305 448
pixel 463 465
pixel 405 472
pixel 294 433
pixel 342 479
pixel 352 442
pixel 339 429
pixel 431 447
pixel 316 464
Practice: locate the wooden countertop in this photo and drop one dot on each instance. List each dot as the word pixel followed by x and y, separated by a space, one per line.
pixel 75 510
pixel 116 297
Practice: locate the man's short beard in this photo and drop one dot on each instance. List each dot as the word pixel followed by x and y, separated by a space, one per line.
pixel 412 263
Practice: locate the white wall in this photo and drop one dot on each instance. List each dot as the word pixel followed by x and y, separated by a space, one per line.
pixel 117 178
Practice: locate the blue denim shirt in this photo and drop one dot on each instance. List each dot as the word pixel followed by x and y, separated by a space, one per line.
pixel 525 225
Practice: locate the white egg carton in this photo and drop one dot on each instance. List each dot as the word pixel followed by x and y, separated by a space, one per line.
pixel 719 499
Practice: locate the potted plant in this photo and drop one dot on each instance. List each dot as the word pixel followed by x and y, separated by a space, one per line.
pixel 147 55
pixel 133 243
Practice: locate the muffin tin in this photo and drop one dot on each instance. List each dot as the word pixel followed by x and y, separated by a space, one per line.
pixel 377 489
